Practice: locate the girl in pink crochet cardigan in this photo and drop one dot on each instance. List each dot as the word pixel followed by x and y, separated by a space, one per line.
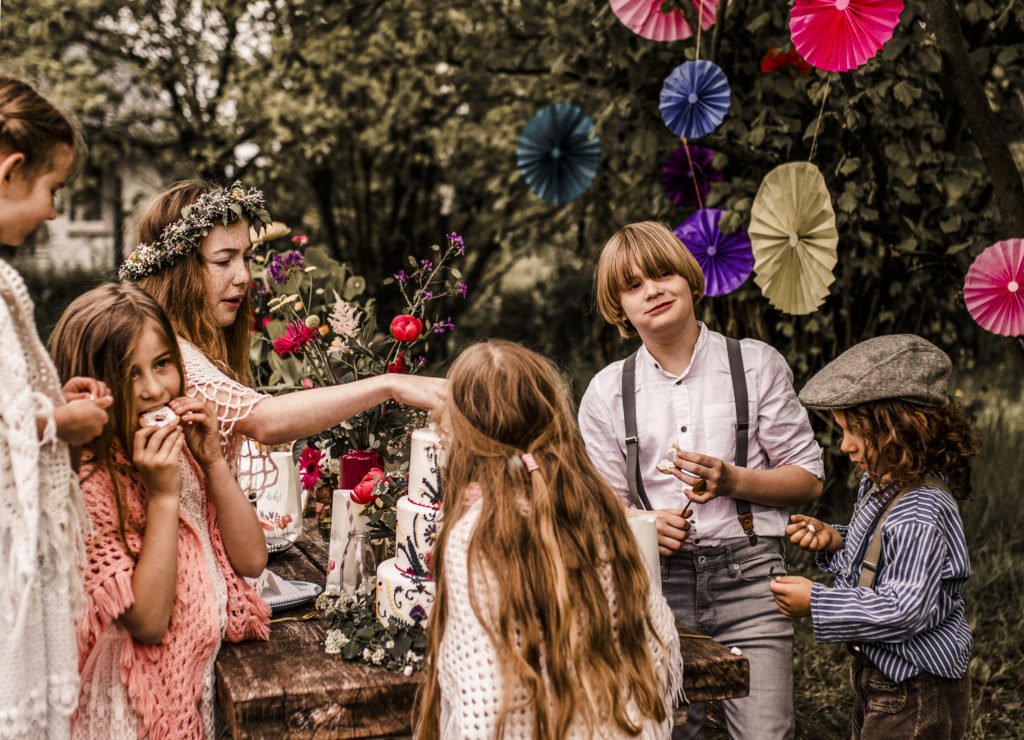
pixel 172 534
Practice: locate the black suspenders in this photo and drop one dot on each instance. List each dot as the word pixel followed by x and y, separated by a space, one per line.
pixel 634 480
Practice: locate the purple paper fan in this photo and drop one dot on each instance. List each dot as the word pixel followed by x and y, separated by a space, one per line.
pixel 726 259
pixel 687 178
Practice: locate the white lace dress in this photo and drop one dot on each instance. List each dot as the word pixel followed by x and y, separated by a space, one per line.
pixel 232 401
pixel 468 669
pixel 40 533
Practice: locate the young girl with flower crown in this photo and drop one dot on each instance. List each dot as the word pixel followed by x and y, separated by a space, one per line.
pixel 545 623
pixel 40 506
pixel 172 533
pixel 192 257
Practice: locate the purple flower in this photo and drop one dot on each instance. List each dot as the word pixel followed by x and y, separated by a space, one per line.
pixel 401 277
pixel 427 295
pixel 282 265
pixel 462 288
pixel 442 326
pixel 421 361
pixel 427 265
pixel 454 240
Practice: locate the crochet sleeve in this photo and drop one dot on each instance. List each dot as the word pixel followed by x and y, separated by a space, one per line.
pixel 232 401
pixel 469 673
pixel 109 563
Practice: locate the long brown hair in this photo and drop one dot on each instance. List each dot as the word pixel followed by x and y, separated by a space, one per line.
pixel 95 337
pixel 179 288
pixel 906 441
pixel 36 127
pixel 550 534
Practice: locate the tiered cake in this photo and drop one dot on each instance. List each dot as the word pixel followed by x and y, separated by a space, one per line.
pixel 405 584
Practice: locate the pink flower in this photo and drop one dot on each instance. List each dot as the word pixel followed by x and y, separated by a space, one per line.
pixel 406 327
pixel 300 239
pixel 309 467
pixel 295 339
pixel 363 494
pixel 307 383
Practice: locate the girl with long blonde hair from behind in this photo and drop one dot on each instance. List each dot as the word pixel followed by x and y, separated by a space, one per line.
pixel 545 623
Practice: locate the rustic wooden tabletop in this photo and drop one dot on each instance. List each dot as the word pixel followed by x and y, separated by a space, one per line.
pixel 290 688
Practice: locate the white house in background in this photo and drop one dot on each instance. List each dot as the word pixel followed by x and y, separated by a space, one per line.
pixel 83 234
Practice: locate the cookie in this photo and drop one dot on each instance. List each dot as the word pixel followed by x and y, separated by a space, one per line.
pixel 160 417
pixel 666 466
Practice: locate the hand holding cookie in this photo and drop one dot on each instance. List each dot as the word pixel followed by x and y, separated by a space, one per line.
pixel 201 429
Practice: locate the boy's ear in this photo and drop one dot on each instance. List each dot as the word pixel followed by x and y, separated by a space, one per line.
pixel 10 166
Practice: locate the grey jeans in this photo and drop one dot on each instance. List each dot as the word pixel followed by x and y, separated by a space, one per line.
pixel 723 592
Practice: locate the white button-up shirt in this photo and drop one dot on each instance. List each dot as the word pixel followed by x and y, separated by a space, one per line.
pixel 696 411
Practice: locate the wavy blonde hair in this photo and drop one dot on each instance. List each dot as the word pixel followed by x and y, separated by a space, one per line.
pixel 550 534
pixel 179 288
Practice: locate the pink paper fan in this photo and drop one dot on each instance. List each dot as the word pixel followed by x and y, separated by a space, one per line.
pixel 840 35
pixel 644 18
pixel 994 288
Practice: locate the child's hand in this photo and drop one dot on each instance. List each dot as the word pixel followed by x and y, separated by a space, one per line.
pixel 81 420
pixel 708 476
pixel 793 595
pixel 82 387
pixel 157 455
pixel 812 534
pixel 201 430
pixel 672 529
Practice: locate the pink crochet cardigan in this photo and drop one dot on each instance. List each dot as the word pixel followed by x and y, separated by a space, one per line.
pixel 164 682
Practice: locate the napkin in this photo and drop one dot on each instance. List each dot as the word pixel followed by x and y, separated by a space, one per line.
pixel 275 590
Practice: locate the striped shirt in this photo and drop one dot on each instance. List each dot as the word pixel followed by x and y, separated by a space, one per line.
pixel 913 619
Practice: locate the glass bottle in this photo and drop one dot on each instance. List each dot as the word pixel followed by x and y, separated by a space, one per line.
pixel 358 562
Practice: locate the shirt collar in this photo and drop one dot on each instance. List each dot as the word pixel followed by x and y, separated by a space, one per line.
pixel 699 349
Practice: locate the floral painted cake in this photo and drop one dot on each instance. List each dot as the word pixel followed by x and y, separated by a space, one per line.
pixel 405 584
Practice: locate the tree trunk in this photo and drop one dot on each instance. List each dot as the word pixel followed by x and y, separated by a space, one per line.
pixel 988 132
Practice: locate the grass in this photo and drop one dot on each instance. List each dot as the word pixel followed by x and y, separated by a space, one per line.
pixel 994 594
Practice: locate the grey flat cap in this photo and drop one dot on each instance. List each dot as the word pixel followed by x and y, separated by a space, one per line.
pixel 897 366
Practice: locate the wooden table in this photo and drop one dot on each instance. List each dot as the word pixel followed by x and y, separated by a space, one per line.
pixel 290 688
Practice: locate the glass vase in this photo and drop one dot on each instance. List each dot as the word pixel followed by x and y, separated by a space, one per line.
pixel 359 561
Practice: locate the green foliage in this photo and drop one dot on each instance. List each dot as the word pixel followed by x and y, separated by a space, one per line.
pixel 52 289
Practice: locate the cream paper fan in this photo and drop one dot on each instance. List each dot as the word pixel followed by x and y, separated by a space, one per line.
pixel 793 236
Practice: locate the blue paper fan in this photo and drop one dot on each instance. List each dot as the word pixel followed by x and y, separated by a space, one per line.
pixel 557 153
pixel 694 98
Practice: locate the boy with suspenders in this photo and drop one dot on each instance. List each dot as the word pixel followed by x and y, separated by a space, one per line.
pixel 721 416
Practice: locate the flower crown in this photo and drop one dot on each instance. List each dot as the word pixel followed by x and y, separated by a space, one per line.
pixel 222 206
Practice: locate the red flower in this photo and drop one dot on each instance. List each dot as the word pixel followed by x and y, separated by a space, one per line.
pixel 363 494
pixel 309 467
pixel 406 327
pixel 294 339
pixel 398 366
pixel 777 59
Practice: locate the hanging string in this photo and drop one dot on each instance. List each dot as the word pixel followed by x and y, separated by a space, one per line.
pixel 700 25
pixel 821 115
pixel 693 172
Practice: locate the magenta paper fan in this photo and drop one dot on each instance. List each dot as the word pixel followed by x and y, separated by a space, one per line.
pixel 840 35
pixel 644 18
pixel 725 259
pixel 994 288
pixel 687 175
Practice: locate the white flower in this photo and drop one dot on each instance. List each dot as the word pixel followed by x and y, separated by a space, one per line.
pixel 377 656
pixel 344 319
pixel 335 641
pixel 389 644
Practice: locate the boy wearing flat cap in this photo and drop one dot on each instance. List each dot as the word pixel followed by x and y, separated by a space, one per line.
pixel 718 446
pixel 901 562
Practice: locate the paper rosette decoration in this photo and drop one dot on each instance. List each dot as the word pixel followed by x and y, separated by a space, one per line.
pixel 644 18
pixel 557 154
pixel 840 35
pixel 994 288
pixel 725 259
pixel 794 238
pixel 694 98
pixel 688 174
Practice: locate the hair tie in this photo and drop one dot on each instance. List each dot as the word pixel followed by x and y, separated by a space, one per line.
pixel 530 463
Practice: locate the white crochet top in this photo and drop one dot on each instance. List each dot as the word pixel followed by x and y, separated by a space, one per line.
pixel 233 401
pixel 470 676
pixel 41 547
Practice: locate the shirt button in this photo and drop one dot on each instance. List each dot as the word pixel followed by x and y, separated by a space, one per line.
pixel 682 429
pixel 696 541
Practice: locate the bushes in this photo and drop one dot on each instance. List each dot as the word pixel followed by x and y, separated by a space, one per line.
pixel 52 289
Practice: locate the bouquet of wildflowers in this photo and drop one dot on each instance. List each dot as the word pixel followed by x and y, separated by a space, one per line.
pixel 318 328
